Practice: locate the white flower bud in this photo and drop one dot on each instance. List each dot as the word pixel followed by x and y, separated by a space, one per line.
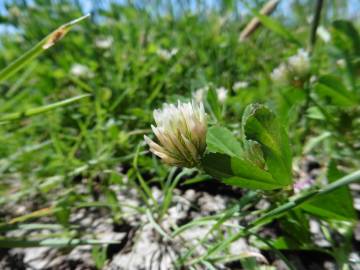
pixel 221 94
pixel 299 64
pixel 181 132
pixel 294 70
pixel 166 54
pixel 240 85
pixel 280 75
pixel 199 94
pixel 341 63
pixel 79 70
pixel 104 42
pixel 323 34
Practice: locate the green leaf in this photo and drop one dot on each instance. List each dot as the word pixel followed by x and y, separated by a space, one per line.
pixel 214 103
pixel 238 172
pixel 40 47
pixel 240 166
pixel 283 242
pixel 276 27
pixel 346 36
pixel 261 125
pixel 335 205
pixel 217 165
pixel 331 87
pixel 288 102
pixel 296 228
pixel 254 153
pixel 221 140
pixel 315 113
pixel 248 175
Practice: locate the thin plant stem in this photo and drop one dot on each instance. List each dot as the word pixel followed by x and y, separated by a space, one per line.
pixel 293 202
pixel 334 125
pixel 303 111
pixel 296 202
pixel 315 24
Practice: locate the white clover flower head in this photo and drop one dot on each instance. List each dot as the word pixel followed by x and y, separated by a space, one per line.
pixel 199 94
pixel 280 75
pixel 341 63
pixel 104 42
pixel 240 85
pixel 14 11
pixel 222 93
pixel 323 33
pixel 299 64
pixel 310 18
pixel 166 54
pixel 79 70
pixel 181 132
pixel 174 51
pixel 313 79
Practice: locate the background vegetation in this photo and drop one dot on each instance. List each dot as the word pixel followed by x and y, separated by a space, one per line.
pixel 128 58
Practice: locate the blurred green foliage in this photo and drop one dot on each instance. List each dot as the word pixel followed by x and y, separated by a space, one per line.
pixel 132 57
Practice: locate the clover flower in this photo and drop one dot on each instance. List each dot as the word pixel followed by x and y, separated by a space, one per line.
pixel 181 132
pixel 222 93
pixel 166 54
pixel 14 12
pixel 299 63
pixel 280 75
pixel 341 63
pixel 323 34
pixel 104 42
pixel 294 70
pixel 79 70
pixel 240 85
pixel 200 94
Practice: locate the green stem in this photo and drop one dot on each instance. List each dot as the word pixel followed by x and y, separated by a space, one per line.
pixel 281 210
pixel 315 23
pixel 327 115
pixel 335 127
pixel 303 112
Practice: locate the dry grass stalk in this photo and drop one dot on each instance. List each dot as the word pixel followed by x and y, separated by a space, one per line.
pixel 250 28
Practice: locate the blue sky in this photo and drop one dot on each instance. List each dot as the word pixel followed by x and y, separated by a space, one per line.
pixel 284 7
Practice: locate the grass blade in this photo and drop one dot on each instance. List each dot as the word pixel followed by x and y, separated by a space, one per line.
pixel 40 47
pixel 42 109
pixel 53 243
